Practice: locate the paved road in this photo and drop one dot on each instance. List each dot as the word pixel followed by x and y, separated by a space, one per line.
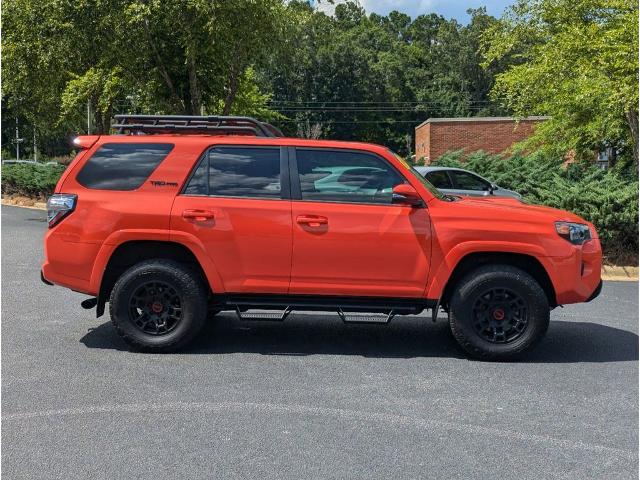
pixel 309 398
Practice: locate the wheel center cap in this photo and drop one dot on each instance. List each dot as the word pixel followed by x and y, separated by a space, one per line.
pixel 157 306
pixel 498 314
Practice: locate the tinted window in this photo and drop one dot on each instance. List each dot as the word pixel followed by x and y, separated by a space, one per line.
pixel 344 176
pixel 238 172
pixel 122 166
pixel 198 184
pixel 439 179
pixel 466 181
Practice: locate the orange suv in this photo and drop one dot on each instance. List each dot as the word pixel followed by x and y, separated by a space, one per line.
pixel 176 218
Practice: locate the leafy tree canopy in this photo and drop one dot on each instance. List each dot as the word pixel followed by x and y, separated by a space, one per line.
pixel 575 60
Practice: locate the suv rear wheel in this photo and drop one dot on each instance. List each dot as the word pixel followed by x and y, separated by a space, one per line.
pixel 498 312
pixel 158 305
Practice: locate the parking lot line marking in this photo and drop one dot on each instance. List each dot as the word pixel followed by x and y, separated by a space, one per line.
pixel 322 411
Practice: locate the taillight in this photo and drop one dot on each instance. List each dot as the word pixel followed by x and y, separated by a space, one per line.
pixel 59 206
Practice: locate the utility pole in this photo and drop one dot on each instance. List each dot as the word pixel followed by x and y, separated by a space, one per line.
pixel 35 145
pixel 18 139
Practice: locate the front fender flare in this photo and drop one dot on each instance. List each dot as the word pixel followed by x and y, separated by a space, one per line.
pixel 442 272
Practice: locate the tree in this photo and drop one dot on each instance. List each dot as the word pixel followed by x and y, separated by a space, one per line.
pixel 577 61
pixel 153 56
pixel 374 77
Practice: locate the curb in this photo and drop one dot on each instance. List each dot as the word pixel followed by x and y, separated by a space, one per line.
pixel 35 205
pixel 620 274
pixel 611 273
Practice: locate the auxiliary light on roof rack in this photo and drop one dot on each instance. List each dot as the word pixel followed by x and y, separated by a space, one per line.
pixel 213 124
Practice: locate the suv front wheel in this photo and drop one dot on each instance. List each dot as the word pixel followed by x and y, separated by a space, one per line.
pixel 158 305
pixel 498 312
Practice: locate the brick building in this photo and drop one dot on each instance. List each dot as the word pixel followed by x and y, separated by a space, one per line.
pixel 436 136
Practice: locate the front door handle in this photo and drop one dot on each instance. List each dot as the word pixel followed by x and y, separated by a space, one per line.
pixel 312 220
pixel 198 215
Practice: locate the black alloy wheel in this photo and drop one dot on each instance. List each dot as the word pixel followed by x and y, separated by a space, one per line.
pixel 500 315
pixel 498 312
pixel 155 308
pixel 159 305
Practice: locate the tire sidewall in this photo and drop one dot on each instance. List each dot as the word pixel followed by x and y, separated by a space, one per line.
pixel 479 282
pixel 192 299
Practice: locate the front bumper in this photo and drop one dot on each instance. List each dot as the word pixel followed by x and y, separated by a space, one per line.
pixel 577 277
pixel 596 292
pixel 44 280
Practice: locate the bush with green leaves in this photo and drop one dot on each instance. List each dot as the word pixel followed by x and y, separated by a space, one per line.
pixel 607 198
pixel 34 180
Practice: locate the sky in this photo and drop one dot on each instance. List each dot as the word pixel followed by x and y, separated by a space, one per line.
pixel 448 8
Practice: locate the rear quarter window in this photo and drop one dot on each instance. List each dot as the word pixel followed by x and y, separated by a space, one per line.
pixel 122 166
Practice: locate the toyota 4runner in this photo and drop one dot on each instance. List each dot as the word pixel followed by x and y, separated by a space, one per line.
pixel 176 218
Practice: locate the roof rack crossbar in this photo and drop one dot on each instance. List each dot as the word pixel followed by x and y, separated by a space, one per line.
pixel 159 123
pixel 194 128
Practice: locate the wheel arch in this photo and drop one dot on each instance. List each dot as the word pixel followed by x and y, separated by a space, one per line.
pixel 131 252
pixel 528 263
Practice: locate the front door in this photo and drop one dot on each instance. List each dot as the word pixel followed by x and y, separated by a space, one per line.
pixel 236 205
pixel 348 236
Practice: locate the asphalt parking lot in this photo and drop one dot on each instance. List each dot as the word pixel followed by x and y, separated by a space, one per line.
pixel 308 398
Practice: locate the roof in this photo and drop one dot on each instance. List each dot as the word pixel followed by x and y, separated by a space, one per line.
pixel 484 119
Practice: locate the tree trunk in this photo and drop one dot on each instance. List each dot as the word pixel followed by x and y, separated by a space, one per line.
pixel 632 120
pixel 161 67
pixel 233 84
pixel 195 94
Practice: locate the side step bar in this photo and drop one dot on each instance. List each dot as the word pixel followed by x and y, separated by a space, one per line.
pixel 366 318
pixel 373 310
pixel 401 306
pixel 351 317
pixel 273 317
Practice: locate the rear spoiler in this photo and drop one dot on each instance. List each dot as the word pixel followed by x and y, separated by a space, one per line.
pixel 85 142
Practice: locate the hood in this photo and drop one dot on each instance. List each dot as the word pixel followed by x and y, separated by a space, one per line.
pixel 497 207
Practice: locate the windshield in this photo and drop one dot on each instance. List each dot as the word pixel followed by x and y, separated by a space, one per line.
pixel 436 193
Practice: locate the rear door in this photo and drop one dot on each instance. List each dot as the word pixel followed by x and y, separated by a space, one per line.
pixel 348 236
pixel 236 205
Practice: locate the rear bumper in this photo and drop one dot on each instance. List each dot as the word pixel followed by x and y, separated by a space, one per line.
pixel 68 262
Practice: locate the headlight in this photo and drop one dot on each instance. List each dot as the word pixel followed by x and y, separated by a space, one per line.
pixel 576 233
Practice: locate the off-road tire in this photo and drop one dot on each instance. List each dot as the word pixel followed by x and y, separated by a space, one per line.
pixel 471 287
pixel 193 299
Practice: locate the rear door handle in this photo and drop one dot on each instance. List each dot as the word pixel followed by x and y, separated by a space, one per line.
pixel 198 215
pixel 312 220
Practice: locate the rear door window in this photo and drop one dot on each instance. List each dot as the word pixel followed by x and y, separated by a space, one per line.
pixel 248 172
pixel 122 166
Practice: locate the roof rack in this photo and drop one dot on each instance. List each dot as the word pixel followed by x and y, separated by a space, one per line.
pixel 194 124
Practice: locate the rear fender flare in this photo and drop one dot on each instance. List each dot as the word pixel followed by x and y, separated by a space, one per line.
pixel 120 237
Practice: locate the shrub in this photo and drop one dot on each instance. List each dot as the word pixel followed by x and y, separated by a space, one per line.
pixel 604 197
pixel 30 179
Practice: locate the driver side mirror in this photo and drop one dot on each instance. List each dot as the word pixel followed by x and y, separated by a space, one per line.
pixel 493 188
pixel 405 194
